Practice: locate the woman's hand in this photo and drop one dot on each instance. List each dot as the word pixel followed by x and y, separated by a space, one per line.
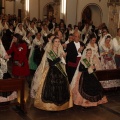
pixel 63 55
pixel 92 66
pixel 111 51
pixel 7 57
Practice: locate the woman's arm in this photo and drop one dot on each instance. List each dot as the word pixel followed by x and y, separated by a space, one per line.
pixel 82 68
pixel 52 63
pixel 11 50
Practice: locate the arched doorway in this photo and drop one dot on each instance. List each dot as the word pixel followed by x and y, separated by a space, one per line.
pixel 48 11
pixel 51 10
pixel 87 15
pixel 92 12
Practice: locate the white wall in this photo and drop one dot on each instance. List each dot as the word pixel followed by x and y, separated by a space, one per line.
pixel 9 7
pixel 33 8
pixel 71 12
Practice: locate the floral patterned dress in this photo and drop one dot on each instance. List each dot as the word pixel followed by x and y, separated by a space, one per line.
pixel 107 61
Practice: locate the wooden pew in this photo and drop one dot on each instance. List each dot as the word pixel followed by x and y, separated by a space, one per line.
pixel 12 84
pixel 104 75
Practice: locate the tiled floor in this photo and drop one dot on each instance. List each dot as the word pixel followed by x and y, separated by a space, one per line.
pixel 109 111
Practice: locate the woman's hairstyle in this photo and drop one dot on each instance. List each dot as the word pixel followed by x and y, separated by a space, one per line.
pixel 57 33
pixel 54 39
pixel 19 24
pixel 105 29
pixel 108 36
pixel 70 26
pixel 37 33
pixel 85 52
pixel 50 35
pixel 32 22
pixel 27 32
pixel 19 38
pixel 92 36
pixel 88 49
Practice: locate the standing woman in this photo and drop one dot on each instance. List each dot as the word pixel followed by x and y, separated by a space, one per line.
pixel 20 68
pixel 32 28
pixel 95 54
pixel 20 30
pixel 86 88
pixel 45 31
pixel 36 52
pixel 50 86
pixel 3 63
pixel 28 39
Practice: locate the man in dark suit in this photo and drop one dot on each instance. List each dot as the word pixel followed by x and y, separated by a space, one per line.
pixel 52 24
pixel 74 51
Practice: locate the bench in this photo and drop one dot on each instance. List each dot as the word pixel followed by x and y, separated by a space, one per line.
pixel 12 84
pixel 104 75
pixel 108 74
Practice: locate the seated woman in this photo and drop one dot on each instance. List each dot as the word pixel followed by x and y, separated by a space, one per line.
pixel 85 87
pixel 6 96
pixel 50 86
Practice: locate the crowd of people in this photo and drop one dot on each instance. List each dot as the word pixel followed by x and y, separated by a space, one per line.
pixel 63 59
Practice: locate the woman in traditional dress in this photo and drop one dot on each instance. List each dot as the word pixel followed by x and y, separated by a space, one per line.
pixel 44 32
pixel 36 52
pixel 28 39
pixel 20 30
pixel 107 54
pixel 95 54
pixel 6 96
pixel 32 28
pixel 85 87
pixel 104 32
pixel 50 86
pixel 107 61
